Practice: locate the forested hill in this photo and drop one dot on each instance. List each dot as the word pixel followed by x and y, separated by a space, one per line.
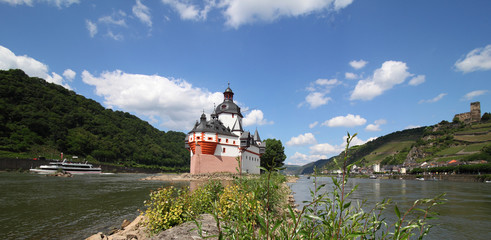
pixel 395 145
pixel 467 143
pixel 43 119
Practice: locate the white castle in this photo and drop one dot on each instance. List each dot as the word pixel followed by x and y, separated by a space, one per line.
pixel 221 144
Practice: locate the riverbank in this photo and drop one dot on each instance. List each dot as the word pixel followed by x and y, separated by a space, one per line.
pixel 137 230
pixel 427 177
pixel 23 165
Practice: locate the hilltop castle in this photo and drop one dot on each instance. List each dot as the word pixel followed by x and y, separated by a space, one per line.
pixel 221 145
pixel 471 117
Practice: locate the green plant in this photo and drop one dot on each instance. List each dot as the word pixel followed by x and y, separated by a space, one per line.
pixel 329 215
pixel 172 206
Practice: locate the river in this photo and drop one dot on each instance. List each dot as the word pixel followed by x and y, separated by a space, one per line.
pixel 466 215
pixel 40 207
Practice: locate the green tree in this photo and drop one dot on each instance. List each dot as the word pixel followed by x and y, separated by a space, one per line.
pixel 274 155
pixel 486 117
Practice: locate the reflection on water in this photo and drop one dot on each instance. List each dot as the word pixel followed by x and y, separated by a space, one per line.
pixel 466 215
pixel 40 207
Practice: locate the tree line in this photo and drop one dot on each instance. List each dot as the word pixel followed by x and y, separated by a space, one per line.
pixel 38 118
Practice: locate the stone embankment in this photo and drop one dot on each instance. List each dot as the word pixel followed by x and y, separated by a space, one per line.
pixel 186 231
pixel 195 177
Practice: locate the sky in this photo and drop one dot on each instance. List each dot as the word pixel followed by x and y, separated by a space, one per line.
pixel 305 72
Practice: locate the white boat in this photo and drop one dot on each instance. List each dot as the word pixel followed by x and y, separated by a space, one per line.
pixel 68 167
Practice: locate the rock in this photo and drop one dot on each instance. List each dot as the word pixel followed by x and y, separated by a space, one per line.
pixel 97 236
pixel 125 224
pixel 188 230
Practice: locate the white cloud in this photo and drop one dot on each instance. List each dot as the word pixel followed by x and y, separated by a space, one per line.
pixel 340 4
pixel 324 150
pixel 373 127
pixel 302 159
pixel 317 99
pixel 474 94
pixel 255 117
pixel 390 74
pixel 176 102
pixel 435 99
pixel 302 140
pixel 188 11
pixel 318 91
pixel 58 3
pixel 412 126
pixel 239 12
pixel 117 37
pixel 358 64
pixel 32 67
pixel 376 125
pixel 350 75
pixel 328 149
pixel 415 81
pixel 312 125
pixel 478 59
pixel 349 120
pixel 69 74
pixel 92 27
pixel 142 12
pixel 115 19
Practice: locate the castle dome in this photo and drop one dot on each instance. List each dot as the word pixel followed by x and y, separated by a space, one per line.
pixel 228 105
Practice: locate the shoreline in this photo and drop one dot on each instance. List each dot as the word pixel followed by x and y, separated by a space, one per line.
pixel 136 230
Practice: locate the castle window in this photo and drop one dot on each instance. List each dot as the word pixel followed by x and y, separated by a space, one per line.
pixel 220 140
pixel 197 138
pixel 232 115
pixel 226 140
pixel 209 138
pixel 223 149
pixel 234 142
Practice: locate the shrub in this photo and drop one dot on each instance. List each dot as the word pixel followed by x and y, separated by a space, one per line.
pixel 171 206
pixel 328 216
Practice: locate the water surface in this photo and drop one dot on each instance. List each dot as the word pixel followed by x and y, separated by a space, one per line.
pixel 466 215
pixel 40 207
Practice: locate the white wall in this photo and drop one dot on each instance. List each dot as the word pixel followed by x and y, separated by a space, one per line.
pixel 251 161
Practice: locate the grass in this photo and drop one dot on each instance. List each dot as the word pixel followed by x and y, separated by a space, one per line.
pixel 450 151
pixel 387 150
pixel 475 147
pixel 474 138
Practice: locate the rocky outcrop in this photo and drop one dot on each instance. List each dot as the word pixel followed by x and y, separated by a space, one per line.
pixel 189 230
pixel 414 153
pixel 186 231
pixel 131 231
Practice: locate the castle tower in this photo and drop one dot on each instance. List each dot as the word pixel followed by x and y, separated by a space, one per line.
pixel 475 112
pixel 229 113
pixel 221 144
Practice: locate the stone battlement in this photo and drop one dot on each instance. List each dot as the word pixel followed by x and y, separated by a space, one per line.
pixel 471 117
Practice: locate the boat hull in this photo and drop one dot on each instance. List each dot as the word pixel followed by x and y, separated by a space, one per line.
pixel 72 168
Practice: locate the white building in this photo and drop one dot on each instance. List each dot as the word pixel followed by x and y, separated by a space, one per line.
pixel 221 144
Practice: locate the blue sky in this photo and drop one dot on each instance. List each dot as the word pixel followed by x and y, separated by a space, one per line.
pixel 305 72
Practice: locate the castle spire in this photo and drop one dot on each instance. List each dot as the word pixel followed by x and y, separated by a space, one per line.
pixel 228 95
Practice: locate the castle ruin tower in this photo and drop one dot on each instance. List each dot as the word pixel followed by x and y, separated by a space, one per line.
pixel 475 112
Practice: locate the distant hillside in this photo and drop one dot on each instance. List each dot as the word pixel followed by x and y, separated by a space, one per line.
pixel 290 169
pixel 309 168
pixel 43 119
pixel 439 143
